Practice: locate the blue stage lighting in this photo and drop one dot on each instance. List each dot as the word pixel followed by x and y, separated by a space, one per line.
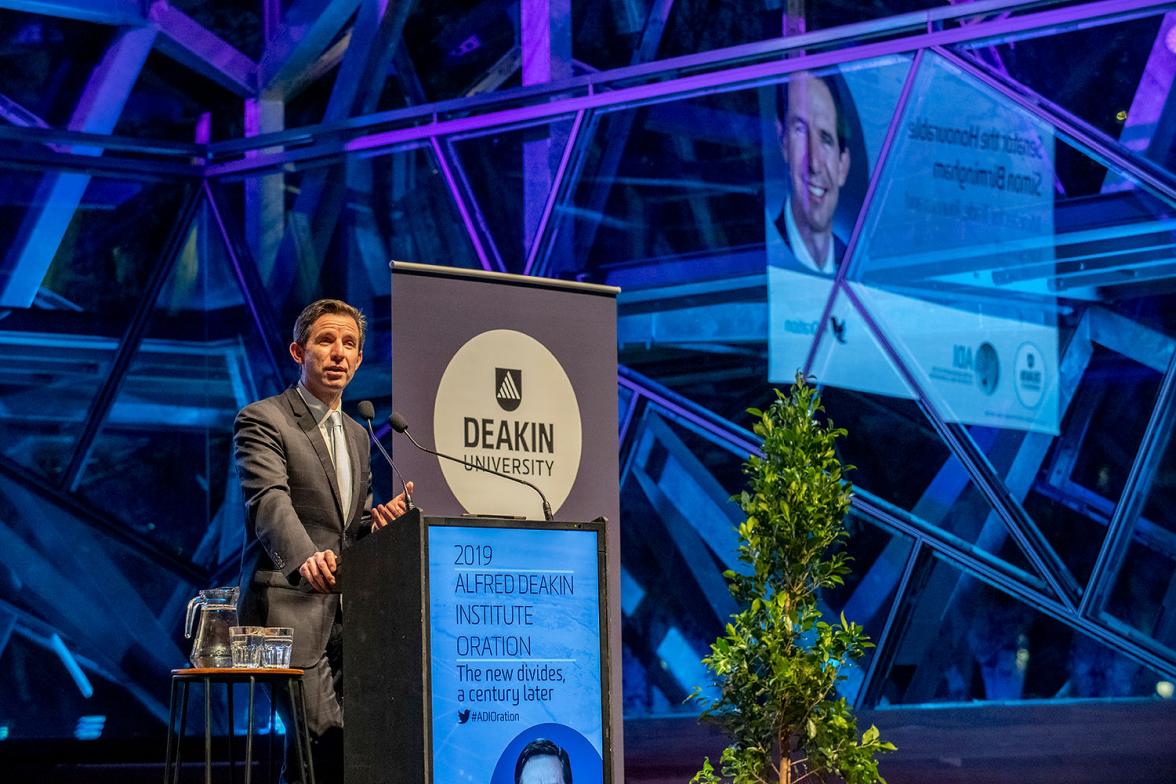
pixel 89 727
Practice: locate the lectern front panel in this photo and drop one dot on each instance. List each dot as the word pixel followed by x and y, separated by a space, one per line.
pixel 515 645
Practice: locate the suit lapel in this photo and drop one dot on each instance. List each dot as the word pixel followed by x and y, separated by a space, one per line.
pixel 315 437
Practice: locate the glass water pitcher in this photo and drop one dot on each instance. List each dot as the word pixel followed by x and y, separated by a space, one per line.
pixel 218 613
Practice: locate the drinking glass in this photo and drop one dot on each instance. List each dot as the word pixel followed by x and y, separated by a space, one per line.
pixel 245 644
pixel 277 645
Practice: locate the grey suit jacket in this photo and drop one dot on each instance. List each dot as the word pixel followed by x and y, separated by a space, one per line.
pixel 292 508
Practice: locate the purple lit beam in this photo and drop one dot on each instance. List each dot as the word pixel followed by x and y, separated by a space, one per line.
pixel 59 194
pixel 375 34
pixel 18 115
pixel 252 290
pixel 478 220
pixel 621 125
pixel 678 88
pixel 651 34
pixel 604 177
pixel 845 36
pixel 109 12
pixel 271 19
pixel 545 29
pixel 714 427
pixel 553 193
pixel 265 196
pixel 1150 123
pixel 855 236
pixel 545 33
pixel 202 51
pixel 462 210
pixel 307 30
pixel 1080 131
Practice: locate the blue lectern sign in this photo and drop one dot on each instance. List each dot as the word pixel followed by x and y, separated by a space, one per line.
pixel 514 624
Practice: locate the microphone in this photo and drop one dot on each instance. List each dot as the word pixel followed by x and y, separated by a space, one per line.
pixel 400 425
pixel 366 410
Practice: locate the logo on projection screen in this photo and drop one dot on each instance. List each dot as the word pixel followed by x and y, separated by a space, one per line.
pixel 482 416
pixel 1030 376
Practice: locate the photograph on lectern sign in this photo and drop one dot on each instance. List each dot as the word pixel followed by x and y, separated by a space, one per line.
pixel 515 628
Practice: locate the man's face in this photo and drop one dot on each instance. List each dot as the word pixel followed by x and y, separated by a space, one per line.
pixel 544 769
pixel 331 355
pixel 817 165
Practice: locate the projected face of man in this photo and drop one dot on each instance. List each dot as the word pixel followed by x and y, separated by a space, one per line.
pixel 818 164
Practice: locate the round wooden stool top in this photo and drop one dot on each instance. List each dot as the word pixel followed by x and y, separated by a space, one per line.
pixel 235 672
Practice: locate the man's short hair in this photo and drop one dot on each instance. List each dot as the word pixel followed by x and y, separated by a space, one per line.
pixel 542 747
pixel 837 89
pixel 319 308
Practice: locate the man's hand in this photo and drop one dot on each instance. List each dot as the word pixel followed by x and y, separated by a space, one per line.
pixel 319 570
pixel 382 514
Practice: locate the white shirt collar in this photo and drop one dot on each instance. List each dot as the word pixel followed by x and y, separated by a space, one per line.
pixel 800 250
pixel 318 408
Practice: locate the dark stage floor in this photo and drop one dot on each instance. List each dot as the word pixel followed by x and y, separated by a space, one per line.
pixel 1047 743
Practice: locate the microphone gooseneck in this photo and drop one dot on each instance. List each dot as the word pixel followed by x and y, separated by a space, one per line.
pixel 400 425
pixel 368 412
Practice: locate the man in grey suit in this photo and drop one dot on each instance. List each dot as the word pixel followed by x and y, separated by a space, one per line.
pixel 305 474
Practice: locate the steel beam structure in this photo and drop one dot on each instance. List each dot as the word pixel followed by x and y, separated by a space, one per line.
pixel 1143 471
pixel 306 31
pixel 376 33
pixel 671 79
pixel 1145 131
pixel 42 493
pixel 59 193
pixel 695 510
pixel 473 227
pixel 109 12
pixel 730 68
pixel 248 277
pixel 201 51
pixel 533 236
pixel 967 559
pixel 132 338
pixel 545 39
pixel 714 428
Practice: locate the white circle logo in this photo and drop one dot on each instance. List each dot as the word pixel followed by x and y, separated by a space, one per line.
pixel 1029 380
pixel 506 404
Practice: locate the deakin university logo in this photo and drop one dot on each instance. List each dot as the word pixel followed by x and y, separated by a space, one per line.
pixel 508 388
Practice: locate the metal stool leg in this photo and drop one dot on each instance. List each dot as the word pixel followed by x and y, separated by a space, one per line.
pixel 183 732
pixel 269 763
pixel 232 759
pixel 249 735
pixel 171 729
pixel 207 730
pixel 299 708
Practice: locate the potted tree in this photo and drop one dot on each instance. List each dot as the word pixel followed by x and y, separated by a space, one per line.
pixel 778 663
